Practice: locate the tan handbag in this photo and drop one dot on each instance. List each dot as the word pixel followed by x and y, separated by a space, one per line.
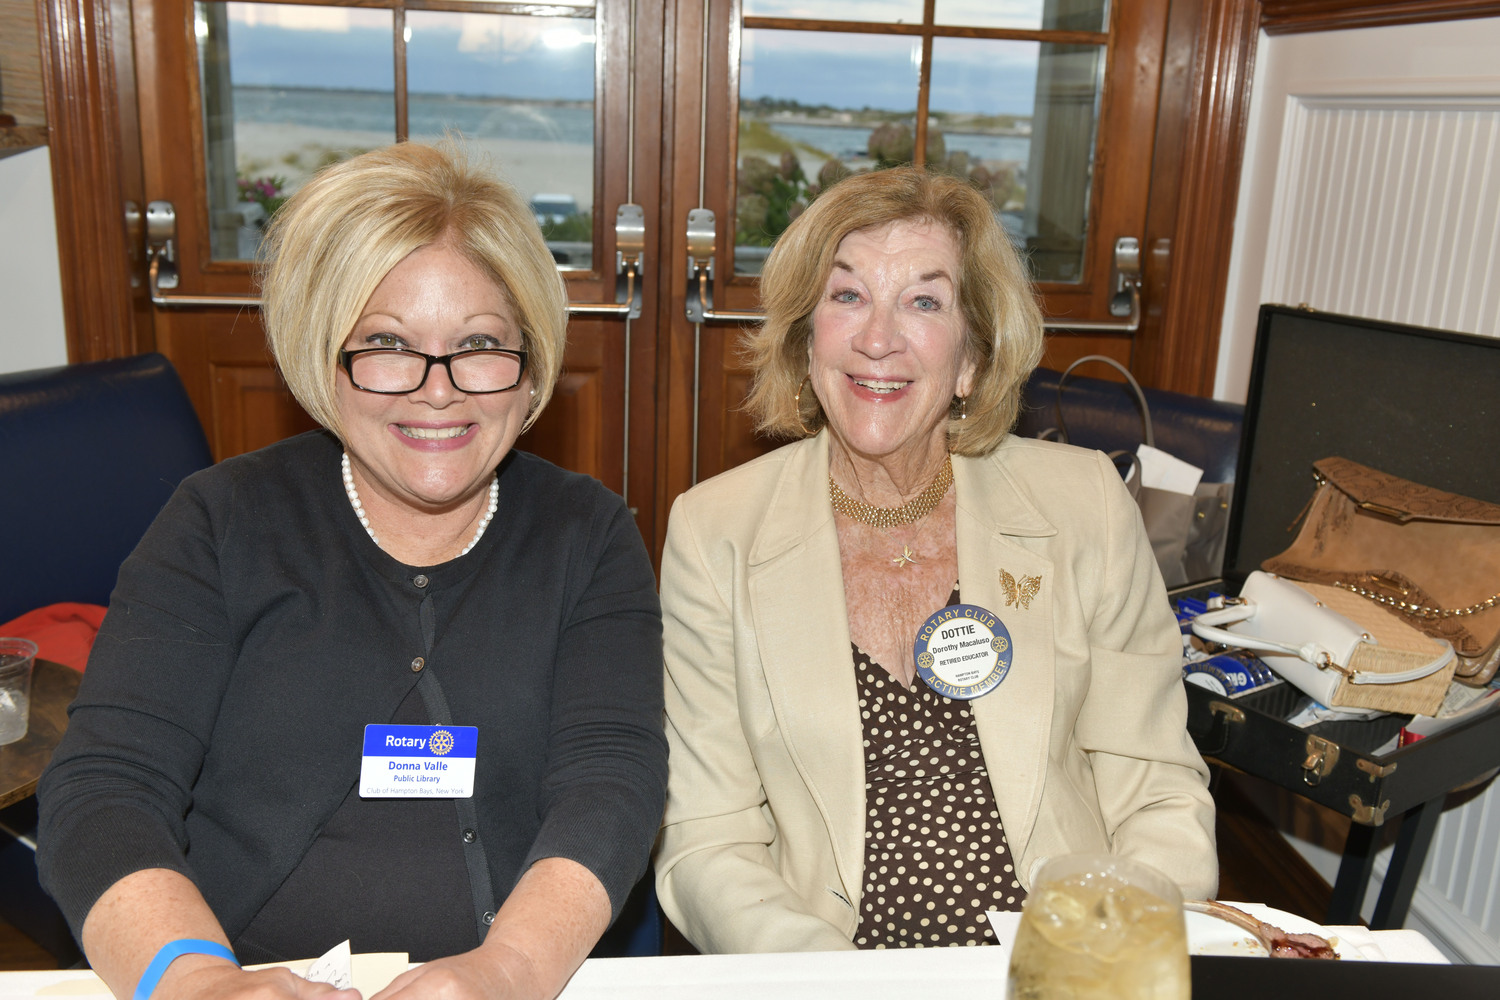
pixel 1430 558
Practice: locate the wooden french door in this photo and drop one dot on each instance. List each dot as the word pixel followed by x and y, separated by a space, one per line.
pixel 238 102
pixel 1049 106
pixel 710 120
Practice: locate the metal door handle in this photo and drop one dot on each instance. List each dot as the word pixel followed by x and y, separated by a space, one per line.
pixel 630 265
pixel 161 269
pixel 700 288
pixel 1126 274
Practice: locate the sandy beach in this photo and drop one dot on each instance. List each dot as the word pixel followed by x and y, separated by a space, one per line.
pixel 295 152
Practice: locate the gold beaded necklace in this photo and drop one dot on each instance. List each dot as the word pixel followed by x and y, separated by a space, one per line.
pixel 914 509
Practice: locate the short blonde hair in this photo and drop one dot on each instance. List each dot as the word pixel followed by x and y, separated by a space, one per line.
pixel 1002 323
pixel 340 235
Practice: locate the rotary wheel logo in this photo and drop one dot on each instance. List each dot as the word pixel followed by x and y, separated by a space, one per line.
pixel 441 742
pixel 926 660
pixel 999 644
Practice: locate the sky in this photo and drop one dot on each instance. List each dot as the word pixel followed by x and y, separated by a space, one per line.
pixel 1026 14
pixel 856 71
pixel 553 58
pixel 338 48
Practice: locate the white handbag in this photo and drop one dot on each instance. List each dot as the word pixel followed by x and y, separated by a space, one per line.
pixel 1344 652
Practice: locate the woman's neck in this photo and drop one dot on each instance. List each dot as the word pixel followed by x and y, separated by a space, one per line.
pixel 886 480
pixel 417 537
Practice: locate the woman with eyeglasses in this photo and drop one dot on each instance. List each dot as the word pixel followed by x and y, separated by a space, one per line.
pixel 392 681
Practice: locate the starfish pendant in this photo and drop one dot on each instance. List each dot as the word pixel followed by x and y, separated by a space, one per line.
pixel 906 556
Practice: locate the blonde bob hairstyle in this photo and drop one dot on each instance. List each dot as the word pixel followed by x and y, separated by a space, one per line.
pixel 1002 323
pixel 340 235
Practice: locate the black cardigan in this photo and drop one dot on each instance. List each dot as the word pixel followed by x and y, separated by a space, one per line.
pixel 257 629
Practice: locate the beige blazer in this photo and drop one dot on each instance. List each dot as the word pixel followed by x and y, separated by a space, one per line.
pixel 1084 740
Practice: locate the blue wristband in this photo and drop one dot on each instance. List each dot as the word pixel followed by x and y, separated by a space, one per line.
pixel 170 952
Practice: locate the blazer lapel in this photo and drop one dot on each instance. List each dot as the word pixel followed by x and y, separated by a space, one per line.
pixel 1001 575
pixel 798 608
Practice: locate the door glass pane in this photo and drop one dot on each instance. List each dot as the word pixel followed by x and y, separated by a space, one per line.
pixel 1044 15
pixel 815 106
pixel 1019 119
pixel 520 90
pixel 885 11
pixel 287 89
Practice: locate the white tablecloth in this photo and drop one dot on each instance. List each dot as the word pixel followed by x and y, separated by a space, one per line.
pixel 932 974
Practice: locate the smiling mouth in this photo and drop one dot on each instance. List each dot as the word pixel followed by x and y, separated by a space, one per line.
pixel 434 433
pixel 881 385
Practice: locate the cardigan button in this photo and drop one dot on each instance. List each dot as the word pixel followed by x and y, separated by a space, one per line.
pixel 469 837
pixel 419 581
pixel 417 664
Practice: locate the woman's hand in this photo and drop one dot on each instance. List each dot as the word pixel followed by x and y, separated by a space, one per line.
pixel 218 980
pixel 147 909
pixel 543 932
pixel 480 974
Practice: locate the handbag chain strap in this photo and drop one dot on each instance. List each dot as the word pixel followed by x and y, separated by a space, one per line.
pixel 1419 610
pixel 1405 607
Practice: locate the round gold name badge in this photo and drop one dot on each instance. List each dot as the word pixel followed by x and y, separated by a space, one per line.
pixel 963 651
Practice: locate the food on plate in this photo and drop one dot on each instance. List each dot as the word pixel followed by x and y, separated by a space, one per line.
pixel 1278 943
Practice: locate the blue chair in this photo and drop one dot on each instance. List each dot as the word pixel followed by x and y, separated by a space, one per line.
pixel 1104 415
pixel 91 452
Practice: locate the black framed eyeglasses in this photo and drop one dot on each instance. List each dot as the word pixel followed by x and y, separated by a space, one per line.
pixel 395 371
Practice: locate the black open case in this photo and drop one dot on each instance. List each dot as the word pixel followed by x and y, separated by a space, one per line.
pixel 1420 404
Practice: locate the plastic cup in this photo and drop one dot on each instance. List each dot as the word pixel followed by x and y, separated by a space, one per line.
pixel 17 656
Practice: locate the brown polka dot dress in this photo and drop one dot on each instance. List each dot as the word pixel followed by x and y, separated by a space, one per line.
pixel 935 856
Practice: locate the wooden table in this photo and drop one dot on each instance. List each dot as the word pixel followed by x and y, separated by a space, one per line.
pixel 53 687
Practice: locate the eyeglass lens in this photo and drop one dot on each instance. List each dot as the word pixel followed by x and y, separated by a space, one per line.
pixel 401 371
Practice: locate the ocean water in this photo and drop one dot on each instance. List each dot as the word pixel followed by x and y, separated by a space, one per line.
pixel 500 118
pixel 848 142
pixel 427 114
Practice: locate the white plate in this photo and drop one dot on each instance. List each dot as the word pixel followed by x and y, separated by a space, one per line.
pixel 1212 936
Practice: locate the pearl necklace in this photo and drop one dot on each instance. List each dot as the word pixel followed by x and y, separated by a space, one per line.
pixel 359 508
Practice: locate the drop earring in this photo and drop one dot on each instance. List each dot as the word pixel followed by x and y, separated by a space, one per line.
pixel 797 404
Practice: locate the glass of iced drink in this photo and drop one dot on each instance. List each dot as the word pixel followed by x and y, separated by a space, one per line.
pixel 1096 926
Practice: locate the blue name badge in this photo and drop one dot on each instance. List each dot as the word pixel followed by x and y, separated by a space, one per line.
pixel 418 762
pixel 963 651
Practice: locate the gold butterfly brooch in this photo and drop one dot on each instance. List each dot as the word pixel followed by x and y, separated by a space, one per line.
pixel 1020 593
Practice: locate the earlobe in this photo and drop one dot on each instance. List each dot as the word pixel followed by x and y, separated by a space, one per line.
pixel 966 379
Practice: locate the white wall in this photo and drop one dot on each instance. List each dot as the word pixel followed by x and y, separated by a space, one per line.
pixel 1371 186
pixel 31 313
pixel 1371 182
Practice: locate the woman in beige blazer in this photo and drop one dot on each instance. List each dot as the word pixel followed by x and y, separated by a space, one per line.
pixel 823 793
